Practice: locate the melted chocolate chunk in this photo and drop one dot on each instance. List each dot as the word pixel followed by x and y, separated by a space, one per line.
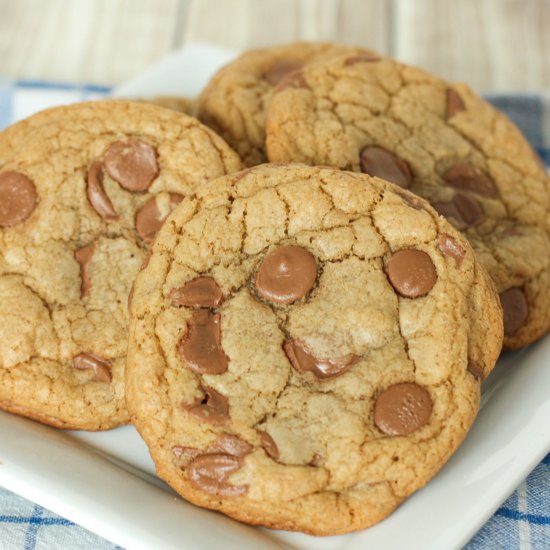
pixel 381 163
pixel 411 273
pixel 286 274
pixel 454 103
pixel 278 70
pixel 475 369
pixel 199 292
pixel 225 443
pixel 201 347
pixel 231 445
pixel 100 366
pixel 213 407
pixel 463 211
pixel 450 247
pixel 295 79
pixel 150 217
pixel 269 446
pixel 303 361
pixel 210 473
pixel 469 209
pixel 402 409
pixel 470 178
pixel 97 196
pixel 132 163
pixel 84 256
pixel 18 198
pixel 185 455
pixel 515 309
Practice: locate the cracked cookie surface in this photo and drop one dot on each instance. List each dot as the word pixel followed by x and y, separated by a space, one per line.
pixel 235 101
pixel 442 142
pixel 306 347
pixel 83 190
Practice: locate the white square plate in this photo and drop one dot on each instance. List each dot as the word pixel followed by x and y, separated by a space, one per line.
pixel 106 481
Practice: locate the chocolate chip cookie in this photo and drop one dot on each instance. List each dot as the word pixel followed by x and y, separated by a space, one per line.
pixel 307 346
pixel 442 142
pixel 235 101
pixel 83 191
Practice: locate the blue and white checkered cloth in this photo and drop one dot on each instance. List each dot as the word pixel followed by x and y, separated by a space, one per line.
pixel 522 522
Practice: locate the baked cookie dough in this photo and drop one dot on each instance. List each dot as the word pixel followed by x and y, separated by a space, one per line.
pixel 442 142
pixel 307 346
pixel 83 190
pixel 235 101
pixel 176 103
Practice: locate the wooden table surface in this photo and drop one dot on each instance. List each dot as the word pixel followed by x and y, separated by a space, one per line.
pixel 494 45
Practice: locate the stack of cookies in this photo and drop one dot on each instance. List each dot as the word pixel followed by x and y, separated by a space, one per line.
pixel 301 342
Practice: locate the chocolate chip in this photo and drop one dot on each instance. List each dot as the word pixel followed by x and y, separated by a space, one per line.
pixel 363 58
pixel 286 274
pixel 295 79
pixel 402 409
pixel 475 369
pixel 17 198
pixel 515 309
pixel 210 473
pixel 100 366
pixel 411 273
pixel 231 445
pixel 450 247
pixel 268 445
pixel 454 103
pixel 150 217
pixel 132 163
pixel 303 361
pixel 278 70
pixel 450 212
pixel 199 292
pixel 462 211
pixel 84 256
pixel 201 346
pixel 470 178
pixel 213 407
pixel 379 162
pixel 469 209
pixel 225 443
pixel 185 455
pixel 97 196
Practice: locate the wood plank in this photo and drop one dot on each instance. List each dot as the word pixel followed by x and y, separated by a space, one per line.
pixel 220 22
pixel 366 23
pixel 240 24
pixel 103 41
pixel 490 44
